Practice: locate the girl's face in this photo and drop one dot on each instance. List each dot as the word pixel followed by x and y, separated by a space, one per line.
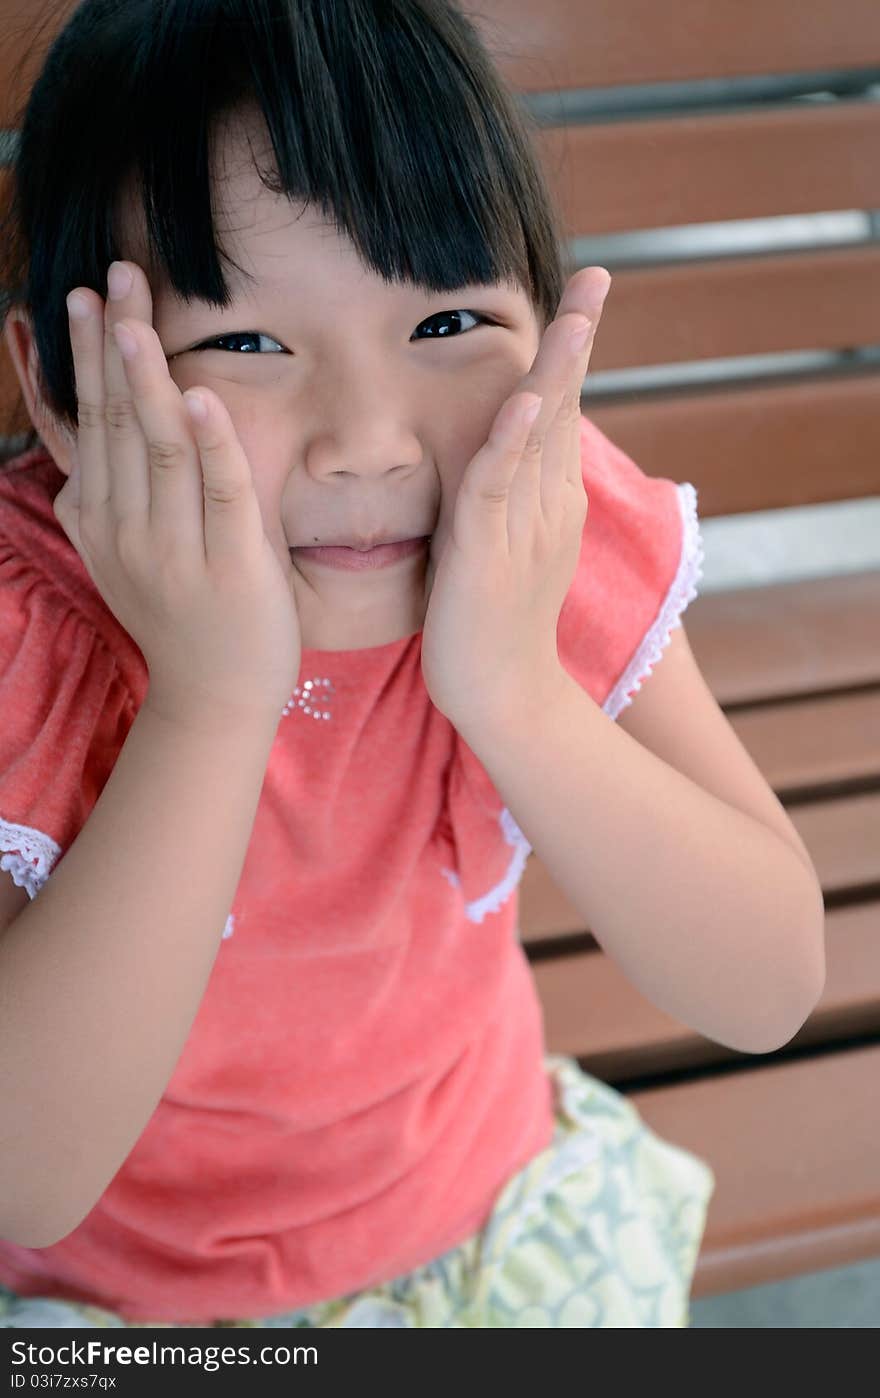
pixel 359 404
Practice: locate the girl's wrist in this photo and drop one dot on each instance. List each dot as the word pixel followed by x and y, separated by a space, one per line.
pixel 207 716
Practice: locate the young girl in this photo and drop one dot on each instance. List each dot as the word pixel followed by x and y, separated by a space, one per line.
pixel 271 1051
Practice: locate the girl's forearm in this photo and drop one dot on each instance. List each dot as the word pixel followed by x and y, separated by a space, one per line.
pixel 710 914
pixel 103 972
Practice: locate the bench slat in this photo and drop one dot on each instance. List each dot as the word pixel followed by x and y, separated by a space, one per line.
pixel 843 838
pixel 813 742
pixel 763 446
pixel 706 168
pixel 28 28
pixel 595 1014
pixel 601 43
pixel 804 637
pixel 722 307
pixel 556 44
pixel 794 1146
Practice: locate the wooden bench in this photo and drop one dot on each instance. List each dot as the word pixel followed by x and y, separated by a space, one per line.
pixel 793 1136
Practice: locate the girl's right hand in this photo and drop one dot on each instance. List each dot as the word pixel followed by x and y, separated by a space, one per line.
pixel 165 517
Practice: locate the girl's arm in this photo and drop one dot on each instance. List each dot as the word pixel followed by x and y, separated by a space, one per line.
pixel 102 974
pixel 714 916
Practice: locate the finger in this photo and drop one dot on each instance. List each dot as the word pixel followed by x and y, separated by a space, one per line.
pixel 580 311
pixel 483 503
pixel 174 506
pixel 585 294
pixel 561 451
pixel 233 522
pixel 536 483
pixel 129 467
pixel 87 345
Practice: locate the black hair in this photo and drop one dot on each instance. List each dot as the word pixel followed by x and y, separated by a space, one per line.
pixel 389 115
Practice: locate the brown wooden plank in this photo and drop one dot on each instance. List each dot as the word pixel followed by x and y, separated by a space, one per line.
pixel 761 446
pixel 663 172
pixel 786 639
pixel 794 1147
pixel 814 742
pixel 592 1012
pixel 601 43
pixel 27 29
pixel 843 838
pixel 597 43
pixel 715 309
pixel 850 1002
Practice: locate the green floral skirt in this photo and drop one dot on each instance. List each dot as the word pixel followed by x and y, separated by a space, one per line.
pixel 601 1229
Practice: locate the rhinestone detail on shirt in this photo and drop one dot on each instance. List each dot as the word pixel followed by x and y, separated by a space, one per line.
pixel 309 697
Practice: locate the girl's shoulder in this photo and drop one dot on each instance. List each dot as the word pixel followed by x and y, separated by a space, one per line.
pixel 66 698
pixel 39 567
pixel 639 566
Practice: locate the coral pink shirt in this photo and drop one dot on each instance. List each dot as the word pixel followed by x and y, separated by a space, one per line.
pixel 365 1070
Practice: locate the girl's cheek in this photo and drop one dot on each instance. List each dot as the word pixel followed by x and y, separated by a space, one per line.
pixel 450 479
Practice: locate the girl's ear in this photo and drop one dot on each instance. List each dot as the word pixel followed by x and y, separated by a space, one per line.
pixel 21 344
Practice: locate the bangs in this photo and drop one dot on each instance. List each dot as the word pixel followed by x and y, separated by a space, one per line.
pixel 373 117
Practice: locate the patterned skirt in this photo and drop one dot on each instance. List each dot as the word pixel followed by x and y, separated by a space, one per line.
pixel 601 1229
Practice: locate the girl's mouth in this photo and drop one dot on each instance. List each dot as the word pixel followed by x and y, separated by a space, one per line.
pixel 356 560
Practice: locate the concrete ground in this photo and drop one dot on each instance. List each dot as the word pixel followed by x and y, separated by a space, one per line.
pixel 846 1298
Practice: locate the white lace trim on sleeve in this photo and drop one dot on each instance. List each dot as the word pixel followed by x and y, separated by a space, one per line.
pixel 682 591
pixel 28 855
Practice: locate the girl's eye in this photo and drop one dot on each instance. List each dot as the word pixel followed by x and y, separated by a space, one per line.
pixel 222 341
pixel 442 325
pixel 443 319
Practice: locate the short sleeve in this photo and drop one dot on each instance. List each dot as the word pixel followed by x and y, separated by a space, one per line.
pixel 640 561
pixel 64 715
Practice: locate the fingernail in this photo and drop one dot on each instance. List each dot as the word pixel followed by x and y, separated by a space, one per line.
pixel 196 407
pixel 530 412
pixel 603 293
pixel 119 281
pixel 77 307
pixel 128 345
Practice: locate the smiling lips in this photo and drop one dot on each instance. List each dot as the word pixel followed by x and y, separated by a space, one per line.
pixel 359 558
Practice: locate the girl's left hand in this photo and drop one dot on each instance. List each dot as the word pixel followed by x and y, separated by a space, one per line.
pixel 489 636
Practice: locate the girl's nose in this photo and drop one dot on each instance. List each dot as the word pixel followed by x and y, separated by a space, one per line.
pixel 376 440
